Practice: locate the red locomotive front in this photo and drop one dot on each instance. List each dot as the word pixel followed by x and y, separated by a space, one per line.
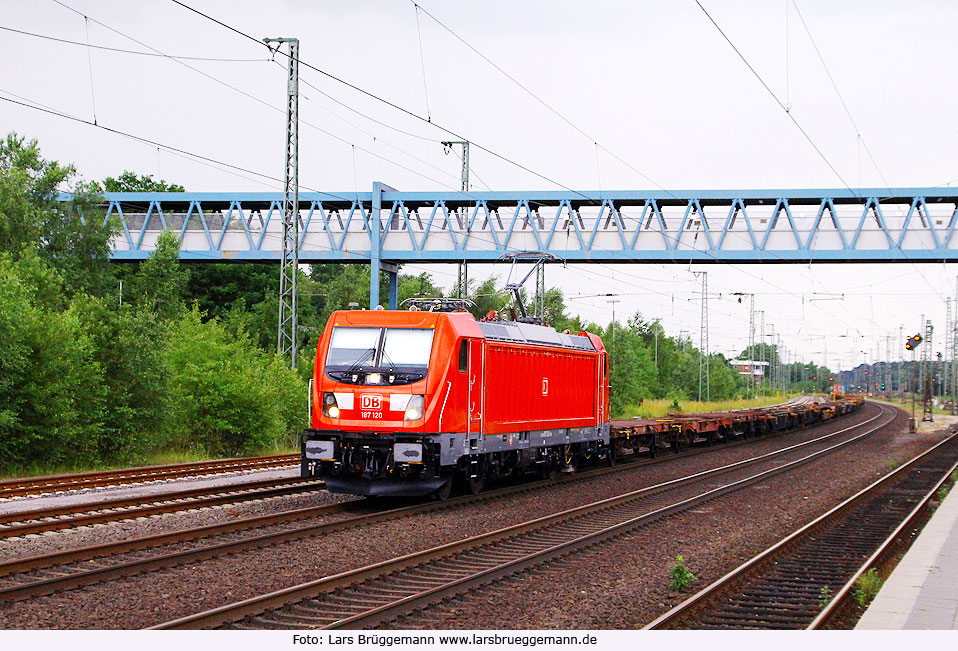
pixel 403 402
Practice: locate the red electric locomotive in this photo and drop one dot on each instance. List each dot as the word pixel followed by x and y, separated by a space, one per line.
pixel 406 402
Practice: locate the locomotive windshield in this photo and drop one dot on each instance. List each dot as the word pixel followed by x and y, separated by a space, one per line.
pixel 379 355
pixel 353 347
pixel 407 347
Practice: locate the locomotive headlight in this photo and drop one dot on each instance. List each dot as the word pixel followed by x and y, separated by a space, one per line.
pixel 330 408
pixel 374 378
pixel 414 409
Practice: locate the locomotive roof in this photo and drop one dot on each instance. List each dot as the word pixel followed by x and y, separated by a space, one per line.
pixel 533 334
pixel 466 325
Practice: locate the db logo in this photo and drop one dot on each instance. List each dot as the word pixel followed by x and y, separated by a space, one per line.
pixel 545 386
pixel 370 401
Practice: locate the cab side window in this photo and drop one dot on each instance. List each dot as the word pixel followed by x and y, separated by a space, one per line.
pixel 463 355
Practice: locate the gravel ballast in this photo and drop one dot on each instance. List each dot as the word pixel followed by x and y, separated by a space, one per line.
pixel 711 538
pixel 625 584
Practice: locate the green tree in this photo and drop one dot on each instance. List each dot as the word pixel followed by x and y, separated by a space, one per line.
pixel 218 287
pixel 488 297
pixel 420 286
pixel 555 312
pixel 161 281
pixel 724 381
pixel 129 182
pixel 71 236
pixel 631 367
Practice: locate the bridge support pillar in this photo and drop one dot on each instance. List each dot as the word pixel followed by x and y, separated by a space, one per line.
pixel 373 283
pixel 375 246
pixel 392 272
pixel 393 289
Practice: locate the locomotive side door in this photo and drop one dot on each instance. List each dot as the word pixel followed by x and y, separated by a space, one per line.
pixel 477 394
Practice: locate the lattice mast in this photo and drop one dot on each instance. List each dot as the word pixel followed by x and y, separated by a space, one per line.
pixel 289 261
pixel 953 351
pixel 764 354
pixel 887 374
pixel 704 338
pixel 926 384
pixel 946 370
pixel 462 284
pixel 901 363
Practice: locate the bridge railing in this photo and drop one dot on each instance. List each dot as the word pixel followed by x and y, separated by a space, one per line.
pixel 708 226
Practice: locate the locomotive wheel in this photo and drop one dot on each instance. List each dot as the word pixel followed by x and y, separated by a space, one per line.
pixel 475 484
pixel 442 494
pixel 548 471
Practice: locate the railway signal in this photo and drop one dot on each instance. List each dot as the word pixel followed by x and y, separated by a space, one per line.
pixel 912 342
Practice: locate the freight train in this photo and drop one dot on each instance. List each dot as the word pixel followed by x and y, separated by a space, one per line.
pixel 407 403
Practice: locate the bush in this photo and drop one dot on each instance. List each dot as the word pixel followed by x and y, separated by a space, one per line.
pixel 226 396
pixel 128 347
pixel 51 398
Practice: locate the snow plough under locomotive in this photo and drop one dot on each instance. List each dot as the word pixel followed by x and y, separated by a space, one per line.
pixel 406 403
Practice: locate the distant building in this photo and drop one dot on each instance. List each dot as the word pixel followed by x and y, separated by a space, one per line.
pixel 746 366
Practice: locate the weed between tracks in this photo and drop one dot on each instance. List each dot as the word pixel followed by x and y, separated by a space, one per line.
pixel 682 578
pixel 867 587
pixel 946 488
pixel 824 596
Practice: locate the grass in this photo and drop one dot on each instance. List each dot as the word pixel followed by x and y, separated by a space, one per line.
pixel 896 401
pixel 867 587
pixel 946 488
pixel 152 459
pixel 664 406
pixel 682 578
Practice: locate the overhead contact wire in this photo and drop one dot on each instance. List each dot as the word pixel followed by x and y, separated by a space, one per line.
pixel 393 105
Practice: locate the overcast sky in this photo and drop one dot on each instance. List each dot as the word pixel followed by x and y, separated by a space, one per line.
pixel 653 82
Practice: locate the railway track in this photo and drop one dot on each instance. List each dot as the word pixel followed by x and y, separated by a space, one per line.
pixel 379 593
pixel 21 523
pixel 18 523
pixel 57 483
pixel 48 573
pixel 804 580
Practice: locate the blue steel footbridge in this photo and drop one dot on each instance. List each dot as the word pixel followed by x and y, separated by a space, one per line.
pixel 385 227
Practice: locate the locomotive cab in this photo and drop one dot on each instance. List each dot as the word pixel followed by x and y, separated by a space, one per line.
pixel 404 402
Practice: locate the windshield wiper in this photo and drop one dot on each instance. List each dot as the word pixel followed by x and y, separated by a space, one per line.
pixel 356 365
pixel 385 356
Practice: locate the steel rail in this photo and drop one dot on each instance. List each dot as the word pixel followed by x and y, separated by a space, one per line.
pixel 545 529
pixel 879 554
pixel 38 521
pixel 52 483
pixel 88 576
pixel 94 575
pixel 74 481
pixel 764 558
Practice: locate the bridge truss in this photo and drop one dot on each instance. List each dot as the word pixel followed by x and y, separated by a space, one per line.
pixel 385 227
